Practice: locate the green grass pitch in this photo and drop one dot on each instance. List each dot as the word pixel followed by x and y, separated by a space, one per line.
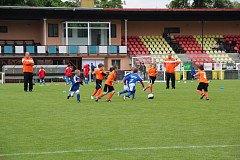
pixel 44 121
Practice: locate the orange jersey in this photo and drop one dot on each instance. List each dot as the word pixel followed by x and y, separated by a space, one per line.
pixel 170 64
pixel 110 78
pixel 28 64
pixel 99 74
pixel 152 72
pixel 202 77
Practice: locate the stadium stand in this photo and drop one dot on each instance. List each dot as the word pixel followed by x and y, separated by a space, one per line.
pixel 135 46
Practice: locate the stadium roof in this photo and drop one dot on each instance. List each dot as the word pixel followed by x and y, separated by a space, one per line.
pixel 133 14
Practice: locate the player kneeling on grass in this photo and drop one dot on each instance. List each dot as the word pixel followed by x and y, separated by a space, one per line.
pixel 100 74
pixel 76 81
pixel 132 79
pixel 152 72
pixel 203 82
pixel 108 87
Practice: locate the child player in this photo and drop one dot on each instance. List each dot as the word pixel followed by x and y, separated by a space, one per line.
pixel 203 82
pixel 152 72
pixel 125 87
pixel 76 81
pixel 108 87
pixel 132 79
pixel 100 74
pixel 41 75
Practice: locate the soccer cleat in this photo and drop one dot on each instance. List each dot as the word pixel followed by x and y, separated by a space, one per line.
pixel 173 88
pixel 207 99
pixel 78 101
pixel 96 99
pixel 202 95
pixel 68 97
pixel 92 97
pixel 118 94
pixel 124 98
pixel 167 87
pixel 108 100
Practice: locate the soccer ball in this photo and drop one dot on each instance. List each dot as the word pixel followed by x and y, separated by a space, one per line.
pixel 150 96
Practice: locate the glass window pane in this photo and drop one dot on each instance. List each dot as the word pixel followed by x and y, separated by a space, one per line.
pixel 77 25
pixel 52 30
pixel 82 33
pixel 99 25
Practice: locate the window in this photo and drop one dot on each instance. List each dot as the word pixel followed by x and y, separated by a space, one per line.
pixel 52 30
pixel 82 33
pixel 172 30
pixel 69 32
pixel 3 29
pixel 116 62
pixel 113 30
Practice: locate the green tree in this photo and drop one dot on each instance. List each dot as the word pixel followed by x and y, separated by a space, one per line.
pixel 202 4
pixel 236 4
pixel 222 4
pixel 109 3
pixel 179 4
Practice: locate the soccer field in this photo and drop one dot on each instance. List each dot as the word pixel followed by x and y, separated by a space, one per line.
pixel 175 125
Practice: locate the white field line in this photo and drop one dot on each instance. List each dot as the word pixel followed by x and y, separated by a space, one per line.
pixel 118 149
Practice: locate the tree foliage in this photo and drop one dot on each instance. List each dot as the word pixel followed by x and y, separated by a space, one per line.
pixel 109 4
pixel 203 4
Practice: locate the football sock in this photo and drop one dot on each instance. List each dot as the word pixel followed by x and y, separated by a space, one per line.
pixel 206 94
pixel 99 91
pixel 100 96
pixel 151 89
pixel 94 92
pixel 128 94
pixel 110 96
pixel 200 92
pixel 133 95
pixel 78 97
pixel 123 91
pixel 147 87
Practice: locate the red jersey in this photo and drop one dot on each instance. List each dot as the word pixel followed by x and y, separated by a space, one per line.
pixel 86 70
pixel 41 73
pixel 68 71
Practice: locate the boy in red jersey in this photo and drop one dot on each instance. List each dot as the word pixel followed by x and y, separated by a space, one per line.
pixel 203 82
pixel 100 74
pixel 108 87
pixel 41 75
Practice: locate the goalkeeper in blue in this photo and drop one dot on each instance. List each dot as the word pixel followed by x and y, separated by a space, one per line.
pixel 76 82
pixel 132 80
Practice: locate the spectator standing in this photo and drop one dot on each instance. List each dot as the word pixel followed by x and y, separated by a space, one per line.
pixel 92 70
pixel 68 74
pixel 143 70
pixel 28 64
pixel 170 64
pixel 41 75
pixel 86 71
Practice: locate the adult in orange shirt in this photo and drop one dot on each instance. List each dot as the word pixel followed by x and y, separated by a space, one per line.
pixel 203 82
pixel 108 87
pixel 170 64
pixel 100 74
pixel 28 64
pixel 152 73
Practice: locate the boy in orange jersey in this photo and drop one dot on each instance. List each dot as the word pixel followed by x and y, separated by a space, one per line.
pixel 108 87
pixel 100 74
pixel 152 72
pixel 203 82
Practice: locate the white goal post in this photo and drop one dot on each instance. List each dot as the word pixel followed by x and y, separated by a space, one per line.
pixel 2 78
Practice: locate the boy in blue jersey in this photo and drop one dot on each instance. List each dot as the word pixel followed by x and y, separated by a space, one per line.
pixel 76 81
pixel 125 87
pixel 132 80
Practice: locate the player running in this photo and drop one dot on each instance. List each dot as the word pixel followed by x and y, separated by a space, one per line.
pixel 76 81
pixel 132 79
pixel 108 87
pixel 100 74
pixel 152 72
pixel 203 82
pixel 125 87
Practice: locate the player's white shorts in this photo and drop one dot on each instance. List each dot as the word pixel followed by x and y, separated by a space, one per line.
pixel 125 87
pixel 132 86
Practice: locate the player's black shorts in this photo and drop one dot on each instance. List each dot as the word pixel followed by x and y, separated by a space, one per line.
pixel 98 84
pixel 203 86
pixel 108 88
pixel 152 79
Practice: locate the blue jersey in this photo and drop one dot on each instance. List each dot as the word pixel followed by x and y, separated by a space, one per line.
pixel 193 72
pixel 76 81
pixel 125 77
pixel 133 78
